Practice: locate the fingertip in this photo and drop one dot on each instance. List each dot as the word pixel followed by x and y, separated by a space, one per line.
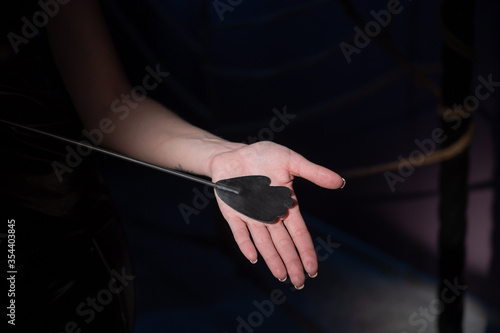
pixel 252 257
pixel 298 281
pixel 315 173
pixel 283 279
pixel 334 181
pixel 312 269
pixel 280 273
pixel 250 253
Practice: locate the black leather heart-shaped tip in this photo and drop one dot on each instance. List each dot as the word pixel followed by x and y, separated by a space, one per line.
pixel 256 199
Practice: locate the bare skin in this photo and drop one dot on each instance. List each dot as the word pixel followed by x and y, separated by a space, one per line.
pixel 93 75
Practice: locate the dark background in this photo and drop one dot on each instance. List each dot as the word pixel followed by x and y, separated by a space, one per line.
pixel 227 76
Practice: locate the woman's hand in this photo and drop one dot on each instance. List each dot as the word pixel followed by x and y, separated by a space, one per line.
pixel 279 242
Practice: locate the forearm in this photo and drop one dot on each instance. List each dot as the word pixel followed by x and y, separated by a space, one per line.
pixel 154 134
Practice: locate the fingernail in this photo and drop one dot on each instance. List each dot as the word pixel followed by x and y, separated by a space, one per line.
pixel 341 187
pixel 313 276
pixel 299 288
pixel 254 262
pixel 282 280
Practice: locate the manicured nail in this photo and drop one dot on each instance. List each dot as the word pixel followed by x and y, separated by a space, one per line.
pixel 254 262
pixel 341 187
pixel 313 276
pixel 282 280
pixel 299 288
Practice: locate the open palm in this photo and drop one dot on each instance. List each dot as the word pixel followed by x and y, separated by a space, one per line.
pixel 285 245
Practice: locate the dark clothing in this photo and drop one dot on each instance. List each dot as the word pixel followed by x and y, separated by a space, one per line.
pixel 71 258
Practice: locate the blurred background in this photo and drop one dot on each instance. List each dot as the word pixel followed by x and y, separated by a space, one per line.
pixel 276 70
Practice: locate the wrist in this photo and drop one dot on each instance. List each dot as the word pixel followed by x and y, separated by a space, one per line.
pixel 214 147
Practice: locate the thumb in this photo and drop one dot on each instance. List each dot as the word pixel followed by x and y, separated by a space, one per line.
pixel 319 175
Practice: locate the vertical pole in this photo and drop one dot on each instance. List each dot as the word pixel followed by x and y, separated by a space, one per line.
pixel 457 24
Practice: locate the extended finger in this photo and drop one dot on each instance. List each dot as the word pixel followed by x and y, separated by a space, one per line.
pixel 286 249
pixel 242 238
pixel 302 239
pixel 264 243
